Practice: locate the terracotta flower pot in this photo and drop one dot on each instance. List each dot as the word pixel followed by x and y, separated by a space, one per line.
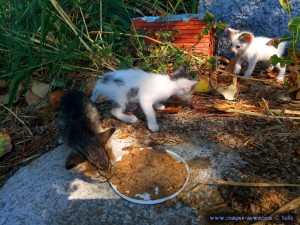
pixel 185 30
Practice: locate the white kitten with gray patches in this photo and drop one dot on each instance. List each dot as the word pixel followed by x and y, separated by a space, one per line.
pixel 253 49
pixel 137 86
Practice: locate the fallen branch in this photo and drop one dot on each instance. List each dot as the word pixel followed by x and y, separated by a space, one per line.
pixel 285 111
pixel 284 209
pixel 199 186
pixel 261 114
pixel 231 183
pixel 231 109
pixel 245 78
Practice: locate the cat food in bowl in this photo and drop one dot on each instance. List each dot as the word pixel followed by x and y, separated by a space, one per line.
pixel 149 176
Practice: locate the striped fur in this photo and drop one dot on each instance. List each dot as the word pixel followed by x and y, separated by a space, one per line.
pixel 79 126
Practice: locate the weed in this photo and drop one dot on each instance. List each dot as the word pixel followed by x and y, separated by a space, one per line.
pixel 294 38
pixel 51 40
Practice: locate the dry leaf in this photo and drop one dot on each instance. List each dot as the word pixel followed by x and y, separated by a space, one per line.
pixel 5 143
pixel 3 84
pixel 223 59
pixel 123 135
pixel 31 98
pixel 223 106
pixel 229 92
pixel 202 85
pixel 169 110
pixel 276 199
pixel 254 209
pixel 40 89
pixel 272 74
pixel 4 99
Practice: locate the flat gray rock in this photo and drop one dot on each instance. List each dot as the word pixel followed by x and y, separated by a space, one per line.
pixel 43 192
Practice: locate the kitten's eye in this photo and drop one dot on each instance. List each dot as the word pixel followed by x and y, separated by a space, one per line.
pixel 238 46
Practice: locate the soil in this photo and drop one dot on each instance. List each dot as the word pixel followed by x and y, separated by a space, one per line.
pixel 247 148
pixel 148 174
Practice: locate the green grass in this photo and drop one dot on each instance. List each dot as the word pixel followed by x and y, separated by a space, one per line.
pixel 55 38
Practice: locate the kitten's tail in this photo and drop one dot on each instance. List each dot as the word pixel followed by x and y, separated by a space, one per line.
pixel 282 47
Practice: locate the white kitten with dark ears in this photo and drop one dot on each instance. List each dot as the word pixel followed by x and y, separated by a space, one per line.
pixel 137 86
pixel 253 49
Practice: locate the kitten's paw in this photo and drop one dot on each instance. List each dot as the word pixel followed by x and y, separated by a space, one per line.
pixel 153 127
pixel 247 74
pixel 237 70
pixel 124 117
pixel 280 78
pixel 128 118
pixel 270 68
pixel 132 119
pixel 159 106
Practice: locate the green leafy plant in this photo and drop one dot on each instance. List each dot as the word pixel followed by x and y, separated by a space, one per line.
pixel 292 60
pixel 217 27
pixel 53 39
pixel 164 57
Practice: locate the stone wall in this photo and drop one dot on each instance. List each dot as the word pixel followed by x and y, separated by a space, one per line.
pixel 262 17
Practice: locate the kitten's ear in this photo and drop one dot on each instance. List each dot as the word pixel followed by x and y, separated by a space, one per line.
pixel 246 37
pixel 193 85
pixel 186 84
pixel 181 72
pixel 232 31
pixel 105 136
pixel 73 160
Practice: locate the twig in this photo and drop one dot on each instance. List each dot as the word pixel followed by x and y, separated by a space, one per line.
pixel 85 26
pixel 17 118
pixel 262 131
pixel 231 108
pixel 267 107
pixel 231 183
pixel 284 209
pixel 245 78
pixel 285 111
pixel 259 114
pixel 199 186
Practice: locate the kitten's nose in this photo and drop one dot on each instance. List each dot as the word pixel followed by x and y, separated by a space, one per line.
pixel 233 51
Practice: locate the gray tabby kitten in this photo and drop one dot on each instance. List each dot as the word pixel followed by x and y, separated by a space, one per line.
pixel 79 127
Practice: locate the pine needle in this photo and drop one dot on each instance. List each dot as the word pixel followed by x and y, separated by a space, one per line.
pixel 231 183
pixel 17 118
